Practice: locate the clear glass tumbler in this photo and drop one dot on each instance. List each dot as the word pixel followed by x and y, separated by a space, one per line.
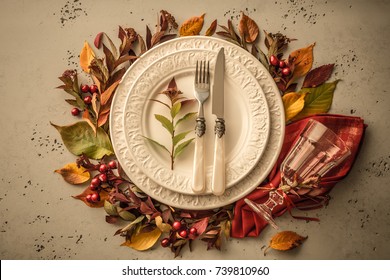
pixel 317 151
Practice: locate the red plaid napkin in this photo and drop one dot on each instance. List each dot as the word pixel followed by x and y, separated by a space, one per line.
pixel 350 129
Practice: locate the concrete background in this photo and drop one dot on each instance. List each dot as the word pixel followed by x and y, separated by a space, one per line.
pixel 41 39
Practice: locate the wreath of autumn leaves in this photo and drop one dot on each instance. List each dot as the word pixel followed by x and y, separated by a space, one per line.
pixel 146 220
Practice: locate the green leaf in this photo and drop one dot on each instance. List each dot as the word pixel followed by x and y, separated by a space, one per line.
pixel 126 215
pixel 165 122
pixel 181 147
pixel 157 144
pixel 79 138
pixel 179 137
pixel 317 100
pixel 110 208
pixel 175 109
pixel 185 117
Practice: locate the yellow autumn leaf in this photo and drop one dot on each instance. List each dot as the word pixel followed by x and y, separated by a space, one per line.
pixel 164 227
pixel 192 26
pixel 293 104
pixel 86 56
pixel 302 60
pixel 285 240
pixel 73 174
pixel 142 241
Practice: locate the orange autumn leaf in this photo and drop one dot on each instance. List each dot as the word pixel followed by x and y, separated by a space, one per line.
pixel 73 174
pixel 142 241
pixel 86 56
pixel 293 104
pixel 103 196
pixel 248 29
pixel 301 61
pixel 285 240
pixel 192 26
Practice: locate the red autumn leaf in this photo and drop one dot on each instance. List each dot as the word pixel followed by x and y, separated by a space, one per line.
pixel 201 225
pixel 103 196
pixel 98 40
pixel 318 76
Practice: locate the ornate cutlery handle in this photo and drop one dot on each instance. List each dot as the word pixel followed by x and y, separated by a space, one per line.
pixel 218 180
pixel 199 177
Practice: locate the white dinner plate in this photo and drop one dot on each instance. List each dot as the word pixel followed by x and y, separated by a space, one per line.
pixel 246 117
pixel 175 198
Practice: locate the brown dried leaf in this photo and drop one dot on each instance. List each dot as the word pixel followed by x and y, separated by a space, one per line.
pixel 318 76
pixel 106 95
pixel 248 29
pixel 73 174
pixel 211 30
pixel 285 240
pixel 192 26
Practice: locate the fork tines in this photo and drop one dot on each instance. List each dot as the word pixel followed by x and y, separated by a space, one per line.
pixel 201 75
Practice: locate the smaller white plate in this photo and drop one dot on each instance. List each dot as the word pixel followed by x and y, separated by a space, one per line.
pixel 246 116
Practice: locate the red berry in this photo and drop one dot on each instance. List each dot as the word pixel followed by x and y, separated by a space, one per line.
pixel 88 99
pixel 89 197
pixel 165 242
pixel 103 177
pixel 183 233
pixel 85 88
pixel 176 225
pixel 103 168
pixel 93 187
pixel 75 111
pixel 286 71
pixel 282 64
pixel 274 60
pixel 193 231
pixel 95 182
pixel 112 164
pixel 95 197
pixel 93 89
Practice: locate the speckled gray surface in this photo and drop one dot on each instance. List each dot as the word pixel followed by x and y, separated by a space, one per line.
pixel 40 39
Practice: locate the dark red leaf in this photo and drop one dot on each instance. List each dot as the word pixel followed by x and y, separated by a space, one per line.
pixel 98 40
pixel 318 76
pixel 201 225
pixel 111 219
pixel 172 84
pixel 148 38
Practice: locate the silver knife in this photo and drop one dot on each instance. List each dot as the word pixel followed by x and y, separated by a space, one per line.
pixel 218 178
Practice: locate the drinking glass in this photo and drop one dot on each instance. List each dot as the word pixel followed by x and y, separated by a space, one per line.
pixel 317 150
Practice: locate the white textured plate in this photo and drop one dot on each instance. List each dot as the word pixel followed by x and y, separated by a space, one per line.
pixel 246 115
pixel 253 178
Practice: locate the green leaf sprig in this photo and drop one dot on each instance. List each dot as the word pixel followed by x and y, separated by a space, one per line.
pixel 176 102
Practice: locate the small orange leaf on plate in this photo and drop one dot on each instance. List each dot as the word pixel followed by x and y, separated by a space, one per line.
pixel 86 56
pixel 293 104
pixel 192 26
pixel 142 241
pixel 285 240
pixel 73 174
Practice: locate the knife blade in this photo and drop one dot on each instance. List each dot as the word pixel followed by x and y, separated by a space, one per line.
pixel 218 99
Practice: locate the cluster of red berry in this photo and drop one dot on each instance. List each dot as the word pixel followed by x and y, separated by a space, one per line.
pixel 182 230
pixel 280 64
pixel 97 181
pixel 87 99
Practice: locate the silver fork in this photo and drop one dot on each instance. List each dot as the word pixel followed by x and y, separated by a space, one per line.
pixel 202 93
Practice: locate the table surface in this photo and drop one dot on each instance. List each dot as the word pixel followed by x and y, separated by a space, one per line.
pixel 41 39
